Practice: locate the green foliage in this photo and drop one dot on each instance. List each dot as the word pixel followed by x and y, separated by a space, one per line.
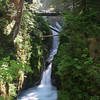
pixel 1 98
pixel 3 2
pixel 86 24
pixel 9 69
pixel 1 51
pixel 39 45
pixel 3 8
pixel 24 55
pixel 30 46
pixel 79 74
pixel 63 95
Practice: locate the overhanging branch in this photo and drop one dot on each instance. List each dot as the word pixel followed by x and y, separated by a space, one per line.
pixel 47 36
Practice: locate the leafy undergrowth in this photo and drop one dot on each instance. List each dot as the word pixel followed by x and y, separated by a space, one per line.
pixel 77 63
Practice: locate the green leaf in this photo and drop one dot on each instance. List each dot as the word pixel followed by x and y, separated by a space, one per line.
pixel 1 98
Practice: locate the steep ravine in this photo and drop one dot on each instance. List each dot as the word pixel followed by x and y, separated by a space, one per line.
pixel 45 90
pixel 35 93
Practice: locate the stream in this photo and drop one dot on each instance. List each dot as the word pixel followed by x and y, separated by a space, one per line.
pixel 45 91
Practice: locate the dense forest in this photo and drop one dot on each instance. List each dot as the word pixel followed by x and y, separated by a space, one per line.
pixel 25 42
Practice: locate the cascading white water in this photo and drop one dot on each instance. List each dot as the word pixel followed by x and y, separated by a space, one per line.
pixel 46 78
pixel 45 91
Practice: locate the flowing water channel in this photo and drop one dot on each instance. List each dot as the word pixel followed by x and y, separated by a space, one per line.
pixel 45 91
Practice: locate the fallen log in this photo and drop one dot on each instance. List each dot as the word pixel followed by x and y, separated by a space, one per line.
pixel 47 36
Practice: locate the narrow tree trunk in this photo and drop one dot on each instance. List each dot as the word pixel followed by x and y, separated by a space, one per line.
pixel 18 19
pixel 92 47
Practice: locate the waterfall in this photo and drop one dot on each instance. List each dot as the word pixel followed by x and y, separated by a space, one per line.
pixel 46 78
pixel 45 91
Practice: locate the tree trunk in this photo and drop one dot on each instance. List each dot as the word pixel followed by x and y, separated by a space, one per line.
pixel 92 47
pixel 18 19
pixel 16 2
